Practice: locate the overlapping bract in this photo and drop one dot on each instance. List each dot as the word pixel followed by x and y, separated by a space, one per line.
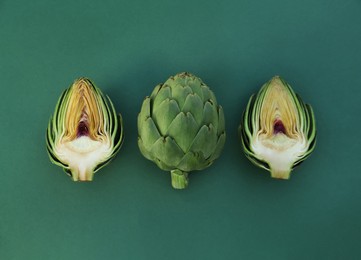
pixel 181 128
pixel 278 129
pixel 85 132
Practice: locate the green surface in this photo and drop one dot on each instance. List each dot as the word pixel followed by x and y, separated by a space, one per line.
pixel 232 210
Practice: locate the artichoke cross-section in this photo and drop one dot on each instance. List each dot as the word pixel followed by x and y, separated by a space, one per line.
pixel 85 132
pixel 278 129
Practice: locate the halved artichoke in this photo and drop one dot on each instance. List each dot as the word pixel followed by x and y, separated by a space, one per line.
pixel 181 128
pixel 278 129
pixel 85 132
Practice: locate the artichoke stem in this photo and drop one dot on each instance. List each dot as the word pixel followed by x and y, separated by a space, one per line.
pixel 83 176
pixel 278 174
pixel 179 179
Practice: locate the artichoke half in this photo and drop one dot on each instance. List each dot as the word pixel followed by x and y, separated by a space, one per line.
pixel 278 129
pixel 85 132
pixel 181 128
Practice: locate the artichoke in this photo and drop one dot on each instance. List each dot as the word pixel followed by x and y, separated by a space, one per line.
pixel 85 132
pixel 181 128
pixel 278 130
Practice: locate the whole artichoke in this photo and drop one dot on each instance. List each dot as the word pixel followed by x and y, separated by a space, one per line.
pixel 278 130
pixel 181 128
pixel 85 132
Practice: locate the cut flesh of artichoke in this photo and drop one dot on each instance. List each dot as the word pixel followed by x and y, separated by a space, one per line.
pixel 278 130
pixel 85 132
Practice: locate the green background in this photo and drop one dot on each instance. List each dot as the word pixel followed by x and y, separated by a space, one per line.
pixel 231 210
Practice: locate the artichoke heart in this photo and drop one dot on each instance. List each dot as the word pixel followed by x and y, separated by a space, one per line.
pixel 278 129
pixel 181 128
pixel 85 132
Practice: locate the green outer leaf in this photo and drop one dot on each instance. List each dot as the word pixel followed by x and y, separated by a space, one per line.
pixel 219 147
pixel 53 130
pixel 149 133
pixel 195 84
pixel 144 151
pixel 207 94
pixel 246 133
pixel 166 150
pixel 210 114
pixel 205 141
pixel 155 91
pixel 180 93
pixel 164 115
pixel 194 105
pixel 144 112
pixel 162 165
pixel 117 138
pixel 163 94
pixel 183 129
pixel 193 161
pixel 311 135
pixel 221 121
